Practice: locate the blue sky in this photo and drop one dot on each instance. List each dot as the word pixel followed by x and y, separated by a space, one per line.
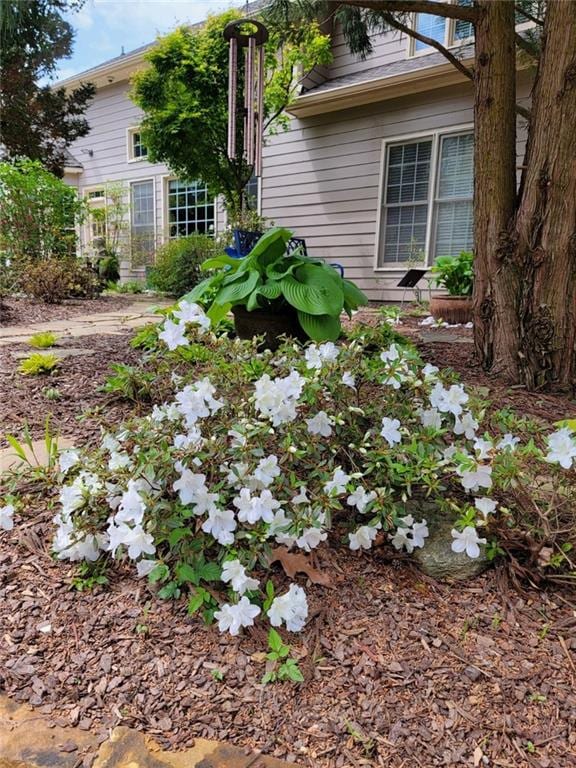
pixel 103 27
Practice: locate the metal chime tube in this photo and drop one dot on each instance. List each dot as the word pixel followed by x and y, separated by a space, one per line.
pixel 259 114
pixel 232 96
pixel 250 67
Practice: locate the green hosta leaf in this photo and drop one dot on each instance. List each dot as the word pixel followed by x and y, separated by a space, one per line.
pixel 269 291
pixel 220 261
pixel 570 423
pixel 314 294
pixel 271 246
pixel 218 312
pixel 239 290
pixel 284 266
pixel 320 327
pixel 353 296
pixel 204 287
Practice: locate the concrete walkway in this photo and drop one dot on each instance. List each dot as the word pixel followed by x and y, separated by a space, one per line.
pixel 29 740
pixel 136 314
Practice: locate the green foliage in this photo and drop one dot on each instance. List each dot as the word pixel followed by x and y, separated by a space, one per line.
pixel 129 383
pixel 38 214
pixel 39 363
pixel 184 95
pixel 269 279
pixel 455 273
pixel 129 287
pixel 43 340
pixel 282 666
pixel 88 576
pixel 177 267
pixel 38 120
pixel 52 393
pixel 54 280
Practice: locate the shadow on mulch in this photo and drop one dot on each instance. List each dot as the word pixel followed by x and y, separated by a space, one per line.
pixel 23 311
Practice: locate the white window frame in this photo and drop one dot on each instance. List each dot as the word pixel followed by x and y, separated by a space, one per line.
pixel 86 237
pixel 140 180
pixel 130 157
pixel 435 135
pixel 166 213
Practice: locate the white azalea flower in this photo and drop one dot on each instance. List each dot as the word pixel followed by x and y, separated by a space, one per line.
pixel 448 400
pixel 429 371
pixel 278 528
pixel 6 521
pixel 390 431
pixel 337 486
pixel 321 424
pixel 237 439
pixel 301 497
pixel 144 567
pixel 277 399
pixel 192 489
pixel 313 358
pixel 236 473
pixel 474 479
pixel 430 417
pixel 188 312
pixel 349 380
pixel 193 439
pixel 390 355
pixel 467 541
pixel 561 448
pixel 363 537
pixel 310 538
pixel 420 533
pixel 291 607
pixel 231 618
pixel 329 352
pixel 466 425
pixel 119 460
pixel 132 506
pixel 483 448
pixel 138 543
pixel 174 335
pixel 402 539
pixel 508 442
pixel 410 535
pixel 233 572
pixel 267 470
pixel 251 509
pixel 68 459
pixel 220 524
pixel 485 505
pixel 360 499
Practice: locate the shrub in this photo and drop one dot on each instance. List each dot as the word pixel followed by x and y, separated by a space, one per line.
pixel 43 340
pixel 39 363
pixel 254 454
pixel 177 267
pixel 455 273
pixel 54 280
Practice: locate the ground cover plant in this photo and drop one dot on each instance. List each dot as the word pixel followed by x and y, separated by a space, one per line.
pixel 255 458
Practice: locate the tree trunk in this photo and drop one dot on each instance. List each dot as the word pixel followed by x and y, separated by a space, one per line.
pixel 545 225
pixel 497 279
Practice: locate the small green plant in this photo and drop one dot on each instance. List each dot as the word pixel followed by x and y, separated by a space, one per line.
pixel 358 737
pixel 39 363
pixel 43 340
pixel 129 383
pixel 537 698
pixel 283 667
pixel 52 393
pixel 455 273
pixel 217 674
pixel 89 576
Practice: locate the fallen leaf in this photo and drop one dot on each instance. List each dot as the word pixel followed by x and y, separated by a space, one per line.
pixel 478 755
pixel 293 563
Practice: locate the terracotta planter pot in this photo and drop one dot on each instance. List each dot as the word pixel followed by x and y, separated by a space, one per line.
pixel 452 309
pixel 272 325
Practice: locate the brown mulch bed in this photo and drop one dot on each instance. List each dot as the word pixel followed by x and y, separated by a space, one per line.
pixel 399 671
pixel 77 379
pixel 24 311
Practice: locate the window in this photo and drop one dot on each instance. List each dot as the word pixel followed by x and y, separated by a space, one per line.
pixel 190 209
pixel 449 32
pixel 429 26
pixel 251 191
pixel 142 217
pixel 427 199
pixel 96 224
pixel 136 149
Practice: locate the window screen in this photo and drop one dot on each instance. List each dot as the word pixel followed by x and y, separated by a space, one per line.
pixel 190 209
pixel 463 29
pixel 142 210
pixel 454 214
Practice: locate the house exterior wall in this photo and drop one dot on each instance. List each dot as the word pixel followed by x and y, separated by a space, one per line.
pixel 322 178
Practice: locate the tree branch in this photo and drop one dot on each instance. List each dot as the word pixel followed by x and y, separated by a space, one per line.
pixel 523 111
pixel 432 43
pixel 446 10
pixel 529 16
pixel 531 49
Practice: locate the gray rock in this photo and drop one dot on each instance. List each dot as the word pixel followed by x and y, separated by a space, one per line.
pixel 436 558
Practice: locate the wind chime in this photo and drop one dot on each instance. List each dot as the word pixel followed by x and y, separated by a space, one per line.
pixel 246 38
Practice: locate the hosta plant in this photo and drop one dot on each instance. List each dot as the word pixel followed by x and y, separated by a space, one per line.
pixel 270 279
pixel 39 363
pixel 256 458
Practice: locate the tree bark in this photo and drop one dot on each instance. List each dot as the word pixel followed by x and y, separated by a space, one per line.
pixel 545 225
pixel 497 277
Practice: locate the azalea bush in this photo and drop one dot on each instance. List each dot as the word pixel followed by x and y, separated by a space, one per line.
pixel 256 457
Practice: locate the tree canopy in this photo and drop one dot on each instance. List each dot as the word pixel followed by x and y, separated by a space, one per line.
pixel 37 121
pixel 184 95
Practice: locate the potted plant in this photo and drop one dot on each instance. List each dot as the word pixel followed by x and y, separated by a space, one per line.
pixel 272 294
pixel 456 275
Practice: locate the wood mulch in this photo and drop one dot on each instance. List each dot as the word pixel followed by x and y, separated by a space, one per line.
pixel 400 671
pixel 23 311
pixel 78 380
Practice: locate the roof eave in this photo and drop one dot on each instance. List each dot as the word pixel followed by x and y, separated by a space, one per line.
pixel 378 89
pixel 116 71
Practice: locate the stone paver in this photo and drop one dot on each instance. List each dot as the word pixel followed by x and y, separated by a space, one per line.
pixel 36 457
pixel 138 313
pixel 28 740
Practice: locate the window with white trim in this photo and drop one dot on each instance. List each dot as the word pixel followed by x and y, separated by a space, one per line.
pixel 137 150
pixel 142 217
pixel 427 199
pixel 190 209
pixel 448 32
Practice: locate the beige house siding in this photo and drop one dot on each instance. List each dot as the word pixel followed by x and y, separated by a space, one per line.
pixel 386 48
pixel 322 177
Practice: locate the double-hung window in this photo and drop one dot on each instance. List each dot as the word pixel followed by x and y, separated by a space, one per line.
pixel 190 209
pixel 426 207
pixel 137 150
pixel 448 32
pixel 142 215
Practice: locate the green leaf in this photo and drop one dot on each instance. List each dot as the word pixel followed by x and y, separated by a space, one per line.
pixel 269 595
pixel 313 290
pixel 170 590
pixel 197 600
pixel 177 535
pixel 237 291
pixel 271 246
pixel 570 423
pixel 269 291
pixel 353 296
pixel 210 572
pixel 185 572
pixel 275 641
pixel 160 573
pixel 293 671
pixel 220 261
pixel 17 446
pixel 320 327
pixel 204 287
pixel 218 312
